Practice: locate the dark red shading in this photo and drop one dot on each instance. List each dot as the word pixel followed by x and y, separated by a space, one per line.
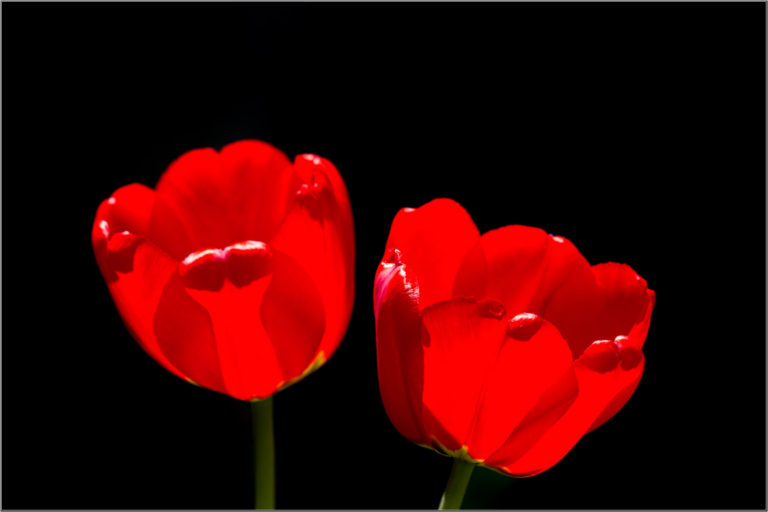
pixel 506 348
pixel 236 272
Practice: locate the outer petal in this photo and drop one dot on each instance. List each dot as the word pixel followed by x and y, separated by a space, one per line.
pixel 519 266
pixel 239 327
pixel 135 269
pixel 243 193
pixel 611 301
pixel 603 372
pixel 433 240
pixel 533 358
pixel 400 355
pixel 465 337
pixel 318 234
pixel 139 210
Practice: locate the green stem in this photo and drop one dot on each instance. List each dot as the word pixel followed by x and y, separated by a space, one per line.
pixel 457 485
pixel 264 453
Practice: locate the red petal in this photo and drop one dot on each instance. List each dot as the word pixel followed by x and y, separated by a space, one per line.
pixel 204 270
pixel 433 240
pixel 399 349
pixel 139 210
pixel 121 249
pixel 612 301
pixel 533 358
pixel 184 332
pixel 465 337
pixel 245 340
pixel 519 266
pixel 137 293
pixel 241 194
pixel 293 317
pixel 135 269
pixel 130 210
pixel 318 234
pixel 602 376
pixel 167 230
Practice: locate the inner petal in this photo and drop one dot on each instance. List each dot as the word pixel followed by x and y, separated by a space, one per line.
pixel 241 193
pixel 519 266
pixel 609 302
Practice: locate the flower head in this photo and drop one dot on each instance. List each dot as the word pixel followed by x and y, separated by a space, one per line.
pixel 503 349
pixel 236 271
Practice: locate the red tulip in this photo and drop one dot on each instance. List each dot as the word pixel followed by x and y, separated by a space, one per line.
pixel 236 272
pixel 502 349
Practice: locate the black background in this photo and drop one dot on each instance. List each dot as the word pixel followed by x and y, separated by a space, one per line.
pixel 635 130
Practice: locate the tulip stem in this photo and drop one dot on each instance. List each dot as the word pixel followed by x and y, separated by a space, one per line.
pixel 457 485
pixel 264 453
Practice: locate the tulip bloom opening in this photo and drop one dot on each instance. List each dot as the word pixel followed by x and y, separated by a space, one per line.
pixel 236 272
pixel 502 349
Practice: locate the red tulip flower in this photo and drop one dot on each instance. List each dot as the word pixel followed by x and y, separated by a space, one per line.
pixel 502 349
pixel 236 271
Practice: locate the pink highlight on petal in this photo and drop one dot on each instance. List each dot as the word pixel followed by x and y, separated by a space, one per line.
pixel 247 261
pixel 523 326
pixel 204 270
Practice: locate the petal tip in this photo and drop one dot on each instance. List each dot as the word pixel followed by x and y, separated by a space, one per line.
pixel 524 326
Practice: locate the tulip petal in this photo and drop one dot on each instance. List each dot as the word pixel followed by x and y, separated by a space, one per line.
pixel 184 332
pixel 242 193
pixel 136 270
pixel 519 266
pixel 611 301
pixel 318 234
pixel 293 317
pixel 131 208
pixel 137 294
pixel 168 232
pixel 604 372
pixel 139 210
pixel 219 335
pixel 400 355
pixel 433 240
pixel 533 357
pixel 465 337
